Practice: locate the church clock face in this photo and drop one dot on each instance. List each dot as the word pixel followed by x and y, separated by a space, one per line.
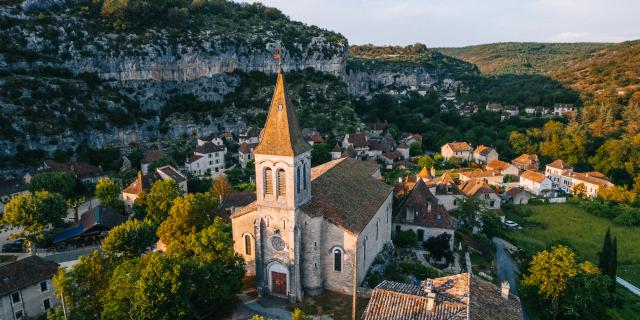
pixel 277 243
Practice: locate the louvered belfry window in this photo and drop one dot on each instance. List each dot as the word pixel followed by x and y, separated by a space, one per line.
pixel 282 183
pixel 268 181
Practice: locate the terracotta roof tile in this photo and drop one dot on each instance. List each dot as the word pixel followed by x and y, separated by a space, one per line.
pixel 459 146
pixel 560 164
pixel 534 176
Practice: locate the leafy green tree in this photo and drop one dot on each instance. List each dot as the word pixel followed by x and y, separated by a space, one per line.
pixel 405 238
pixel 34 212
pixel 218 270
pixel 298 314
pixel 108 192
pixel 415 149
pixel 440 247
pixel 491 224
pixel 84 284
pixel 468 210
pixel 118 296
pixel 189 215
pixel 163 289
pixel 426 162
pixel 54 182
pixel 158 201
pixel 617 194
pixel 320 153
pixel 130 239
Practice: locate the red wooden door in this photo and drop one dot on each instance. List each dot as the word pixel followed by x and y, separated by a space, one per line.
pixel 278 283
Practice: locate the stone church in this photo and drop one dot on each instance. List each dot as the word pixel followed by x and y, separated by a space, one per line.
pixel 309 225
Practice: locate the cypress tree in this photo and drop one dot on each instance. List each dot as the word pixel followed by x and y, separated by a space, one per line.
pixel 613 266
pixel 605 255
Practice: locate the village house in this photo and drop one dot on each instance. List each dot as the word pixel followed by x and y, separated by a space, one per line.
pixel 377 128
pixel 308 225
pixel 479 189
pixel 375 150
pixel 84 172
pixel 227 135
pixel 26 289
pixel 447 192
pixel 516 196
pixel 207 160
pixel 484 154
pixel 504 168
pixel 92 226
pixel 535 182
pixel 336 152
pixel 390 157
pixel 511 110
pixel 250 135
pixel 144 182
pixel 494 106
pixel 357 141
pixel 210 138
pixel 421 213
pixel 560 109
pixel 149 157
pixel 460 150
pixel 411 138
pixel 489 176
pixel 245 153
pixel 563 177
pixel 527 162
pixel 233 202
pixel 403 148
pixel 458 297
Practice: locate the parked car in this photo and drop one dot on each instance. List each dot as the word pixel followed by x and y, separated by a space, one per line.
pixel 512 224
pixel 16 246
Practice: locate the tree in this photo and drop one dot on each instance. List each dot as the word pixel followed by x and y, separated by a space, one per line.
pixel 108 192
pixel 218 270
pixel 189 215
pixel 34 212
pixel 405 238
pixel 54 182
pixel 159 200
pixel 162 290
pixel 604 257
pixel 426 162
pixel 519 142
pixel 580 190
pixel 563 283
pixel 320 154
pixel 415 149
pixel 440 247
pixel 491 224
pixel 84 284
pixel 118 296
pixel 617 194
pixel 221 187
pixel 130 239
pixel 298 314
pixel 468 211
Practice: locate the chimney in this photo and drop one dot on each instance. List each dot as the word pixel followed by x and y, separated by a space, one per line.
pixel 431 296
pixel 505 290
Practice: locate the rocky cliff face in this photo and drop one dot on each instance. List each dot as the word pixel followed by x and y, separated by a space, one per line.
pixel 367 82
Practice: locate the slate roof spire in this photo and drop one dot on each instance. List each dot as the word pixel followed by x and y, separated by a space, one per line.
pixel 281 135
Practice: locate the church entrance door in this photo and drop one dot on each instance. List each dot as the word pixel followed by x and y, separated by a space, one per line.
pixel 279 283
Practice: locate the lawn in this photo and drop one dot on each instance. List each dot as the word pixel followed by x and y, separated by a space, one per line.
pixel 582 231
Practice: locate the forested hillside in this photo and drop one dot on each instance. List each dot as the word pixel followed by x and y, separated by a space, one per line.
pixel 523 57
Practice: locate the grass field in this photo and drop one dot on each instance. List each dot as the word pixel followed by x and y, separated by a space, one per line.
pixel 582 231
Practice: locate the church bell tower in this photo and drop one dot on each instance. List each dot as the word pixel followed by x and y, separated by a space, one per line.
pixel 283 185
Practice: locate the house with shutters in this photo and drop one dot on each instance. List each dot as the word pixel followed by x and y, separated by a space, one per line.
pixel 26 289
pixel 460 150
pixel 565 178
pixel 483 154
pixel 144 182
pixel 309 229
pixel 480 190
pixel 527 161
pixel 245 153
pixel 504 168
pixel 535 182
pixel 207 159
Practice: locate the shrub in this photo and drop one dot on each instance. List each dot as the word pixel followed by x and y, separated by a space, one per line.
pixel 405 238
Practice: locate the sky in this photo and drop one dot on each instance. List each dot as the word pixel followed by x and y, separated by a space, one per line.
pixel 455 23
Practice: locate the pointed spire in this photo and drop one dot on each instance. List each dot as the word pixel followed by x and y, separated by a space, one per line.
pixel 281 135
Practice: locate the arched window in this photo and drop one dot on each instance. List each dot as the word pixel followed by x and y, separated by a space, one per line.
pixel 282 183
pixel 268 181
pixel 247 244
pixel 304 175
pixel 337 259
pixel 298 179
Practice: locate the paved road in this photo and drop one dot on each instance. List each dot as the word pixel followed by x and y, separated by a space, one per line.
pixel 507 268
pixel 628 285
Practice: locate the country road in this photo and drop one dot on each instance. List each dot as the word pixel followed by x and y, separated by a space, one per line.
pixel 507 268
pixel 628 285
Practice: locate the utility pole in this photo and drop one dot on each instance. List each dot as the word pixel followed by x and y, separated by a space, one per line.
pixel 64 308
pixel 354 302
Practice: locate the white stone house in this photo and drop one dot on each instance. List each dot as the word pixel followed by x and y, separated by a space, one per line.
pixel 251 135
pixel 447 192
pixel 144 182
pixel 535 182
pixel 511 110
pixel 460 150
pixel 207 160
pixel 489 176
pixel 27 291
pixel 357 141
pixel 483 154
pixel 308 226
pixel 336 152
pixel 404 150
pixel 480 190
pixel 563 177
pixel 562 108
pixel 245 153
pixel 150 156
